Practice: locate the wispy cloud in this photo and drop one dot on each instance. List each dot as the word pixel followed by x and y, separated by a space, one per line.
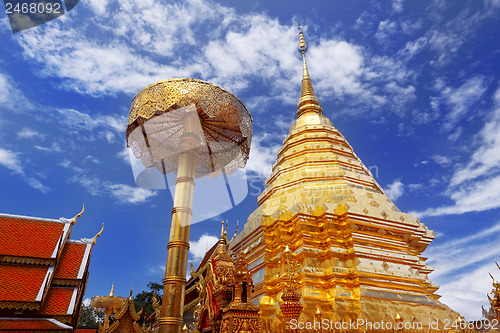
pixel 464 280
pixel 123 193
pixel 395 190
pixel 28 133
pixel 240 51
pixel 12 161
pixel 129 194
pixel 262 156
pixel 460 101
pixel 475 186
pixel 11 97
pixel 199 248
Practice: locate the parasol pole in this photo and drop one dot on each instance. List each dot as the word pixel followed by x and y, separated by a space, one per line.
pixel 171 316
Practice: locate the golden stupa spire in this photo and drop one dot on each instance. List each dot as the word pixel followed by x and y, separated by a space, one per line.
pixel 112 292
pixel 308 101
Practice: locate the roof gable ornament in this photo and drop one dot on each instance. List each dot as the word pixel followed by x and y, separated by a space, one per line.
pixel 93 240
pixel 73 220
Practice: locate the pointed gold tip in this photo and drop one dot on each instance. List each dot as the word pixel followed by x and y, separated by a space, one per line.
pixel 94 239
pixel 308 101
pixel 302 42
pixel 131 292
pixel 78 215
pixel 112 292
pixel 398 317
pixel 236 230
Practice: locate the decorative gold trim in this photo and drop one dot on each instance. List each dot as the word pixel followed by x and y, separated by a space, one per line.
pixel 20 305
pixel 174 279
pixel 63 282
pixel 63 319
pixel 170 321
pixel 25 260
pixel 181 244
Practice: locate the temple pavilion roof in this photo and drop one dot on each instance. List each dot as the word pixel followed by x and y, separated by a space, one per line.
pixel 43 274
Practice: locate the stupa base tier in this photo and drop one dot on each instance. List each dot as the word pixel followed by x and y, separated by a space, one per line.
pixel 366 314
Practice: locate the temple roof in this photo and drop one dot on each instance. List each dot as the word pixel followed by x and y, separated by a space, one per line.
pixel 21 236
pixel 42 272
pixel 73 260
pixel 29 324
pixel 23 283
pixel 60 301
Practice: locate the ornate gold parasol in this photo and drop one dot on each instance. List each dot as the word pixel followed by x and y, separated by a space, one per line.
pixel 193 128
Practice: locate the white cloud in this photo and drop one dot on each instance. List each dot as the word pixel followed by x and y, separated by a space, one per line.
pixel 10 160
pixel 336 67
pixel 53 148
pixel 129 194
pixel 133 46
pixel 261 157
pixel 386 29
pixel 461 269
pixel 463 99
pixel 5 89
pixel 10 96
pixel 199 248
pixel 441 160
pixel 395 190
pixel 125 194
pixel 124 155
pixel 475 186
pixel 28 133
pixel 397 6
pixel 98 6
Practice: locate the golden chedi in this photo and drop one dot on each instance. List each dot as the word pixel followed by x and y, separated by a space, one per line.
pixel 359 257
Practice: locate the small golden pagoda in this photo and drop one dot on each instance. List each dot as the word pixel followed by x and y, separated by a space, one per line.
pixel 120 314
pixel 360 264
pixel 219 292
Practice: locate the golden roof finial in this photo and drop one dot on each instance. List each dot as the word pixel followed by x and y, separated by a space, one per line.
pixel 73 221
pixel 308 101
pixel 495 282
pixel 94 239
pixel 112 292
pixel 131 292
pixel 236 231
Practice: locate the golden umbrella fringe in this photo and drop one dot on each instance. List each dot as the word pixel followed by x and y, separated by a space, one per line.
pixel 193 128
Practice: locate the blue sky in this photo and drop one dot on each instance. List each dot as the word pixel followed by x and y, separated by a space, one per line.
pixel 414 86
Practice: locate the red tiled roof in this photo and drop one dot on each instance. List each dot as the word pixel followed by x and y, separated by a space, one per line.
pixel 70 261
pixel 30 324
pixel 57 301
pixel 21 283
pixel 28 238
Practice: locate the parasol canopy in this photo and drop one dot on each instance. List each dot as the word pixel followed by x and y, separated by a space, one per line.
pixel 221 131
